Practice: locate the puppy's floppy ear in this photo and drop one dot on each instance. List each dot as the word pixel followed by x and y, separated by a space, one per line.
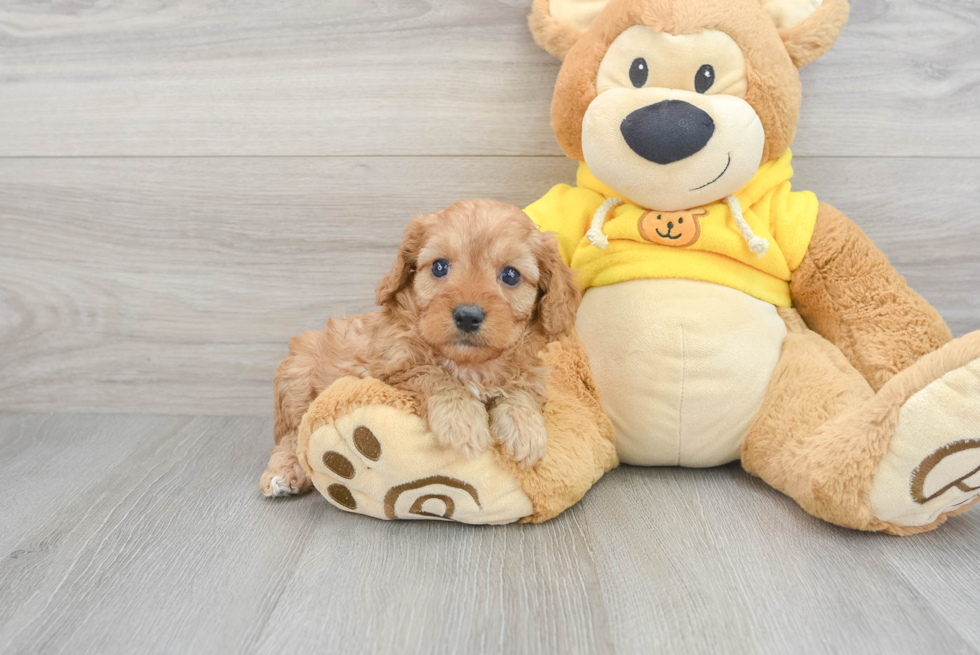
pixel 558 295
pixel 557 24
pixel 404 267
pixel 808 28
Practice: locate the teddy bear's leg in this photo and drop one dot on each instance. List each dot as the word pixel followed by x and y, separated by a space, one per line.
pixel 367 451
pixel 899 461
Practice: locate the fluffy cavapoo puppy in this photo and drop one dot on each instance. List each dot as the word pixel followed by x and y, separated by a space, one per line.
pixel 475 293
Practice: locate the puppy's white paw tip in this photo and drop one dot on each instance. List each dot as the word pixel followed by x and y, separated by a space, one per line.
pixel 279 487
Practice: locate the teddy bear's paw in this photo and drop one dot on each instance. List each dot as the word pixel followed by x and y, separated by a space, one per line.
pixel 384 462
pixel 932 466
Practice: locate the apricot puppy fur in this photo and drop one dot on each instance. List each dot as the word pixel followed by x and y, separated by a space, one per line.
pixel 474 295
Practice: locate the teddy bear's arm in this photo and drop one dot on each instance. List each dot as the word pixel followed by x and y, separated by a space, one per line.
pixel 847 291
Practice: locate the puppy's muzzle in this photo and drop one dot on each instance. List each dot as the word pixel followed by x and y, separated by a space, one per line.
pixel 469 318
pixel 668 131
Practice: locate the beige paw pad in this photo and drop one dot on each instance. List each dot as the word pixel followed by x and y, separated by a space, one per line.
pixel 384 463
pixel 933 463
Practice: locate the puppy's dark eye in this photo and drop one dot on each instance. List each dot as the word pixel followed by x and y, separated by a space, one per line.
pixel 510 277
pixel 704 79
pixel 639 72
pixel 440 268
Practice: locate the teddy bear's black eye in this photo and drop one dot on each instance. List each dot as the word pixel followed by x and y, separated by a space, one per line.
pixel 680 220
pixel 440 268
pixel 510 276
pixel 639 72
pixel 704 79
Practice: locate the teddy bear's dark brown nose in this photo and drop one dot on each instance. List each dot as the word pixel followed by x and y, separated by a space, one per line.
pixel 668 131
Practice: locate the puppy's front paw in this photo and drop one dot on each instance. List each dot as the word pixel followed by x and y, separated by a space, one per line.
pixel 520 430
pixel 460 423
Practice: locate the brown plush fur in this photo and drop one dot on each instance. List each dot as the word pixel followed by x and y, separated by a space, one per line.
pixel 556 39
pixel 772 57
pixel 813 385
pixel 817 34
pixel 850 294
pixel 581 445
pixel 822 431
pixel 414 344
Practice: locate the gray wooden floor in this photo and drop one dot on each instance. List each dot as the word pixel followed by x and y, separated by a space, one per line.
pixel 184 184
pixel 146 534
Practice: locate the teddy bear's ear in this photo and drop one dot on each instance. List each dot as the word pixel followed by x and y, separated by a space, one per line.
pixel 808 27
pixel 557 24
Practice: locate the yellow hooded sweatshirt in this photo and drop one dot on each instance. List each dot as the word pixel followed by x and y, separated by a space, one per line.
pixel 718 252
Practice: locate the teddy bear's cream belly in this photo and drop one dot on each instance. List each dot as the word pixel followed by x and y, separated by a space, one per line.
pixel 682 367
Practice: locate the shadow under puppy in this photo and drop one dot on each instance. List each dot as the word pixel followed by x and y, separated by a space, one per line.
pixel 474 295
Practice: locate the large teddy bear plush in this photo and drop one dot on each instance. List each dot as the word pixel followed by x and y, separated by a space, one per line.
pixel 725 316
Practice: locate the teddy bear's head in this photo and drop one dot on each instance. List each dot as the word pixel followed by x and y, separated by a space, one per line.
pixel 674 104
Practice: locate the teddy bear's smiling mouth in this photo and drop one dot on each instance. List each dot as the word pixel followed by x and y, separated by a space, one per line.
pixel 719 175
pixel 668 235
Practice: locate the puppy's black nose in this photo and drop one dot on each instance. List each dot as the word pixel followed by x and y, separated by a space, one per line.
pixel 469 318
pixel 668 131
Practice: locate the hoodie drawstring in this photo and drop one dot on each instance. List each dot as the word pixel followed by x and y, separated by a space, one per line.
pixel 758 245
pixel 595 235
